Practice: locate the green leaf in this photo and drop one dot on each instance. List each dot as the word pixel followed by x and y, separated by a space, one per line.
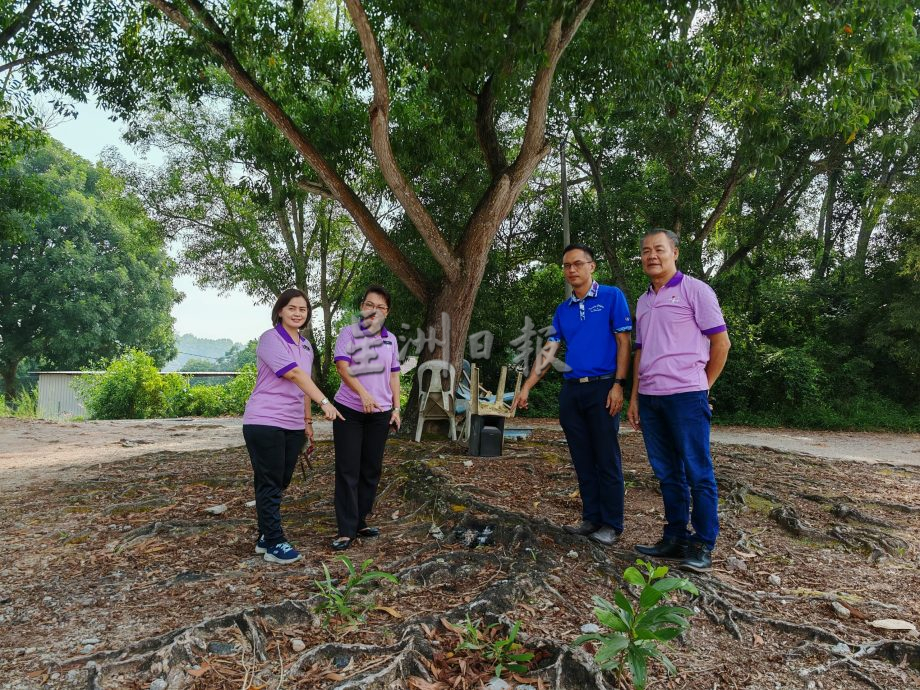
pixel 649 597
pixel 625 607
pixel 611 648
pixel 611 619
pixel 634 577
pixel 636 657
pixel 589 637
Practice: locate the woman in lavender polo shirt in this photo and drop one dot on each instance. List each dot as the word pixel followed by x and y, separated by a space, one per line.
pixel 277 414
pixel 367 359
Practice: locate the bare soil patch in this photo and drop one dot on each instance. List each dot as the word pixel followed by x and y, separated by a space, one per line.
pixel 117 577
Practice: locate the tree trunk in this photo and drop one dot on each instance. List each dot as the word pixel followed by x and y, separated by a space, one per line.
pixel 9 379
pixel 869 215
pixel 825 260
pixel 609 240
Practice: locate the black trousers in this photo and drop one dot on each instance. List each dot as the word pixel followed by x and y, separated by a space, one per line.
pixel 273 452
pixel 592 437
pixel 359 443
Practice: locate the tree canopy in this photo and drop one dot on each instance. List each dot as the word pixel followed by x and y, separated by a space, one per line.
pixel 86 276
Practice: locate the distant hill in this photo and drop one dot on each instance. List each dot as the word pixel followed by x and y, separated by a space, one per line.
pixel 191 347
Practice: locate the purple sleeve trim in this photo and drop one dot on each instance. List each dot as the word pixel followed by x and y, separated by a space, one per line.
pixel 637 346
pixel 283 370
pixel 713 331
pixel 341 358
pixel 394 369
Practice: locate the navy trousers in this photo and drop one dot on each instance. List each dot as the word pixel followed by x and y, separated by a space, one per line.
pixel 676 433
pixel 273 452
pixel 595 449
pixel 359 443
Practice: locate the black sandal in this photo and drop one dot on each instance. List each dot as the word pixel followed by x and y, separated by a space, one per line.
pixel 369 532
pixel 341 543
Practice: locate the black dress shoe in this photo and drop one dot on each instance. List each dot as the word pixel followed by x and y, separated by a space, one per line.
pixel 368 532
pixel 583 530
pixel 698 559
pixel 667 548
pixel 340 543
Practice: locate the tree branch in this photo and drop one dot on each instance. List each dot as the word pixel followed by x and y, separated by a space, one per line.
pixel 534 147
pixel 485 129
pixel 218 45
pixel 20 21
pixel 732 180
pixel 608 240
pixel 380 142
pixel 32 58
pixel 505 189
pixel 315 188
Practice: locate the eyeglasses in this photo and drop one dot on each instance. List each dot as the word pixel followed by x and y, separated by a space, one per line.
pixel 378 307
pixel 576 265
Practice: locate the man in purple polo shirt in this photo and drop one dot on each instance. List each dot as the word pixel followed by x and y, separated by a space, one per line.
pixel 681 347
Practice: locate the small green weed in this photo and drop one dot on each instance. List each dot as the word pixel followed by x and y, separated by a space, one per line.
pixel 504 653
pixel 343 600
pixel 636 634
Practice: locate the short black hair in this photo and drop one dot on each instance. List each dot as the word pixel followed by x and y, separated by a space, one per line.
pixel 283 300
pixel 378 290
pixel 583 247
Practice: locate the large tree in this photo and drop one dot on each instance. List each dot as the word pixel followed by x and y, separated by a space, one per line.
pixel 692 104
pixel 230 190
pixel 87 276
pixel 439 81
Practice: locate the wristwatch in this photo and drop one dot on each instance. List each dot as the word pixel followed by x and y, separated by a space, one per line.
pixel 622 382
pixel 324 401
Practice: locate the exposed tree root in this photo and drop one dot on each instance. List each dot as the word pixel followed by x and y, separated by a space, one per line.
pixel 511 572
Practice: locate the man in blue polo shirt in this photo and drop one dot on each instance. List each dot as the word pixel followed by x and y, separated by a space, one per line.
pixel 594 323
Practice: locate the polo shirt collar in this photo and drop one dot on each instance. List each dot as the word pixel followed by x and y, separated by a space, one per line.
pixel 592 292
pixel 383 329
pixel 285 335
pixel 675 280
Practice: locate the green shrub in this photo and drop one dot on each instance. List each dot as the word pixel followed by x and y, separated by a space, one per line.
pixel 236 392
pixel 638 633
pixel 24 405
pixel 130 388
pixel 176 389
pixel 543 400
pixel 205 401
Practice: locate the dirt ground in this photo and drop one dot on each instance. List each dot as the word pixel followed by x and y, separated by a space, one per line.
pixel 36 450
pixel 115 576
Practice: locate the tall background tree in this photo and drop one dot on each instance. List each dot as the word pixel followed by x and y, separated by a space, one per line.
pixel 87 276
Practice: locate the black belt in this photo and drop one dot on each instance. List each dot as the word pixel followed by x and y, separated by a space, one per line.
pixel 589 379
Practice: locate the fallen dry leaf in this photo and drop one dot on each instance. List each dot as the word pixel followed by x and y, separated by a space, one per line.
pixel 389 609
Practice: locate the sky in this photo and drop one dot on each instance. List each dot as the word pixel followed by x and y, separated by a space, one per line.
pixel 204 312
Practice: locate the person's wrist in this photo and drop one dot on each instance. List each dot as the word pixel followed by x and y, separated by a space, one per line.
pixel 323 402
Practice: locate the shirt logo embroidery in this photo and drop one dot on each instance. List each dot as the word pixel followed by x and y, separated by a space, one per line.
pixel 596 307
pixel 674 299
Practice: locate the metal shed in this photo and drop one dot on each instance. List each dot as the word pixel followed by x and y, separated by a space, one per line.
pixel 56 395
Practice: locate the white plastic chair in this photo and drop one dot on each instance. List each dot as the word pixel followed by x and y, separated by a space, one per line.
pixel 436 395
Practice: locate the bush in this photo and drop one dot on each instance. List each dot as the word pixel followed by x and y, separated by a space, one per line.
pixel 130 388
pixel 236 392
pixel 544 398
pixel 205 401
pixel 133 388
pixel 24 405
